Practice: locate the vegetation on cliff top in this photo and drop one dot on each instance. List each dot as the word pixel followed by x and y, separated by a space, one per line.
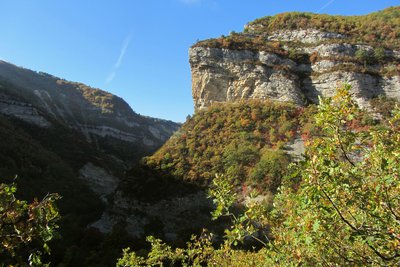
pixel 382 27
pixel 377 29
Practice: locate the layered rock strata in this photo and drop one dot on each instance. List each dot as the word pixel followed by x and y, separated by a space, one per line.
pixel 222 75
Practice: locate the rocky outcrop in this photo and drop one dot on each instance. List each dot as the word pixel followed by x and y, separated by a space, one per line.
pixel 21 110
pixel 220 75
pixel 310 36
pixel 170 217
pixel 300 76
pixel 99 180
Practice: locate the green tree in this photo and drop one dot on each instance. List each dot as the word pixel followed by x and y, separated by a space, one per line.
pixel 270 169
pixel 364 56
pixel 25 229
pixel 345 211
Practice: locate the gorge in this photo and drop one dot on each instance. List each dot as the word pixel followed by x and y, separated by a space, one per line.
pixel 124 176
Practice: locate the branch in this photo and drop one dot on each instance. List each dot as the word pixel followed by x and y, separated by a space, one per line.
pixel 397 218
pixel 380 255
pixel 338 211
pixel 357 230
pixel 342 147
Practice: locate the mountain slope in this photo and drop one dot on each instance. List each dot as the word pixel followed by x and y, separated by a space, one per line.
pixel 250 142
pixel 65 137
pixel 101 117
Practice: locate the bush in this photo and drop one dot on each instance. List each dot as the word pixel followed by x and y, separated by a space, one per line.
pixel 380 54
pixel 25 229
pixel 345 209
pixel 270 169
pixel 365 56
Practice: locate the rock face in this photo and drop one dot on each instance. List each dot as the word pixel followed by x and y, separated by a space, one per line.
pixel 169 217
pixel 310 36
pixel 99 180
pixel 222 75
pixel 22 110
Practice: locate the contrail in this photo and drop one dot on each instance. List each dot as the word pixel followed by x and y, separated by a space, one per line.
pixel 121 56
pixel 124 47
pixel 111 76
pixel 325 6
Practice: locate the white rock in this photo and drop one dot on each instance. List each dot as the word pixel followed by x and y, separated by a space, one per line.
pixel 99 180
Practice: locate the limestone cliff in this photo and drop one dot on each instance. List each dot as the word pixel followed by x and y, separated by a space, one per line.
pixel 290 57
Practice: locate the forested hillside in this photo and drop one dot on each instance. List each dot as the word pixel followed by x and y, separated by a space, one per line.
pixel 244 140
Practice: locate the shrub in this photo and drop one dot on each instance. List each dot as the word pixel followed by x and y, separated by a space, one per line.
pixel 25 229
pixel 270 169
pixel 364 56
pixel 380 54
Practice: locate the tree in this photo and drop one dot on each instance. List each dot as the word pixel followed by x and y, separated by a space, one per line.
pixel 346 208
pixel 269 170
pixel 25 229
pixel 364 56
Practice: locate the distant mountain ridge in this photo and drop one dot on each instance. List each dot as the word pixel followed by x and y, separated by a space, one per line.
pixel 98 115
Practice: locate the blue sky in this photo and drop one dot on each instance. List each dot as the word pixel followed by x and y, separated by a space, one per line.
pixel 136 49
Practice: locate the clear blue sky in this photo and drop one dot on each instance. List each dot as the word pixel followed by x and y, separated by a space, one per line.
pixel 136 49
